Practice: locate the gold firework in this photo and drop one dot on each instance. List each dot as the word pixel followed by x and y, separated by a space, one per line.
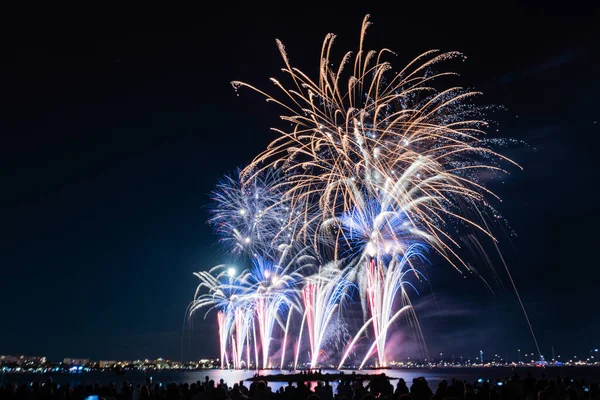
pixel 378 134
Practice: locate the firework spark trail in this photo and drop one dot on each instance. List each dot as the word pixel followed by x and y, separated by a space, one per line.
pixel 383 283
pixel 375 278
pixel 350 346
pixel 265 315
pixel 296 357
pixel 255 345
pixel 224 326
pixel 274 288
pixel 230 296
pixel 248 348
pixel 380 338
pixel 285 338
pixel 322 295
pixel 242 320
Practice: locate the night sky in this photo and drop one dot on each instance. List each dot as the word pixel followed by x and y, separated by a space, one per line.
pixel 116 124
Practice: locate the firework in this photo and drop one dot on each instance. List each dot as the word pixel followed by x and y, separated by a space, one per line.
pixel 377 169
pixel 322 294
pixel 387 246
pixel 384 280
pixel 274 291
pixel 230 295
pixel 243 317
pixel 224 319
pixel 249 218
pixel 387 159
pixel 380 131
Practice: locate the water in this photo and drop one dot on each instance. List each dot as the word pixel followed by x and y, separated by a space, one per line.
pixel 433 376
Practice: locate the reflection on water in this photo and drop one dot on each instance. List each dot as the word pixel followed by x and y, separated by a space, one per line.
pixel 590 374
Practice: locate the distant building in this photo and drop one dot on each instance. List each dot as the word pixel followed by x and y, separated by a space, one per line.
pixel 25 361
pixel 106 364
pixel 6 359
pixel 76 361
pixel 32 360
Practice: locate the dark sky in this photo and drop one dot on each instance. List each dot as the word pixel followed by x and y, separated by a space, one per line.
pixel 116 124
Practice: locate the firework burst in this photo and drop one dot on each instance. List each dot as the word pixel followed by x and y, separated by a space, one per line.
pixel 378 131
pixel 249 217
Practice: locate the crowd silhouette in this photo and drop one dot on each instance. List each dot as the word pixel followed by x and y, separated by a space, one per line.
pixel 379 387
